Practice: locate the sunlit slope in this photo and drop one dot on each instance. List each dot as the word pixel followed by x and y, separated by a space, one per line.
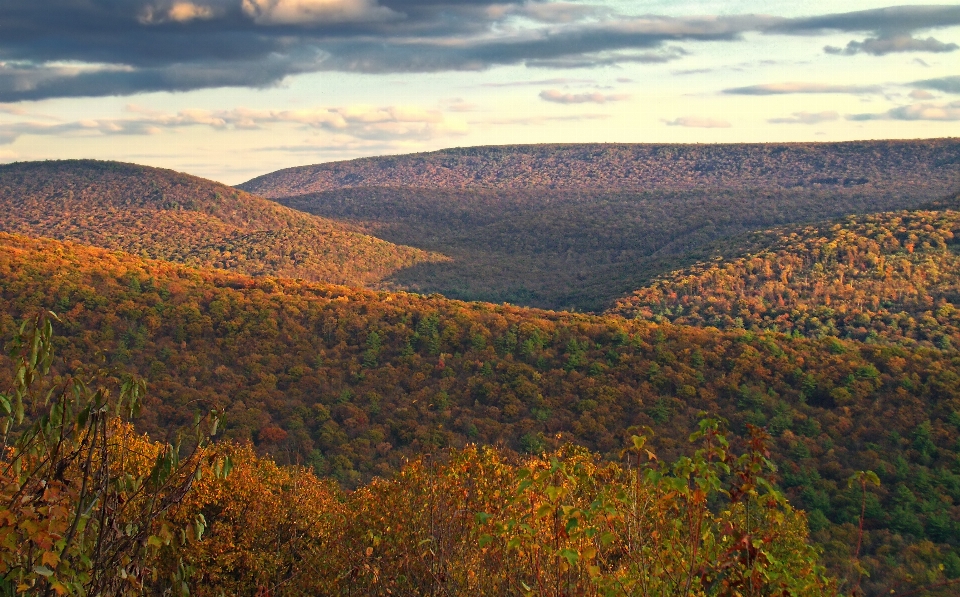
pixel 168 215
pixel 884 277
pixel 929 165
pixel 598 221
pixel 352 382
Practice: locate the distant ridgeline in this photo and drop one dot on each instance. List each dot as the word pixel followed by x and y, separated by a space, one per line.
pixel 921 164
pixel 578 226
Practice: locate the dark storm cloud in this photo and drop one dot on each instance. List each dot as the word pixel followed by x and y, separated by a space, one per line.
pixel 130 46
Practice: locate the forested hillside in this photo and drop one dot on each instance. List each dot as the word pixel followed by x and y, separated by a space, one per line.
pixel 921 165
pixel 578 226
pixel 167 215
pixel 352 382
pixel 890 277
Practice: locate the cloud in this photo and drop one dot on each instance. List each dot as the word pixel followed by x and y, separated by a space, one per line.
pixel 179 12
pixel 610 59
pixel 794 87
pixel 555 81
pixel 308 12
pixel 806 118
pixel 698 122
pixel 134 46
pixel 558 12
pixel 157 45
pixel 458 104
pixel 923 111
pixel 15 110
pixel 921 94
pixel 947 84
pixel 359 122
pixel 559 97
pixel 900 19
pixel 539 120
pixel 887 45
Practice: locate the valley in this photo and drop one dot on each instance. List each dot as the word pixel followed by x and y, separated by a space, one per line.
pixel 576 227
pixel 363 317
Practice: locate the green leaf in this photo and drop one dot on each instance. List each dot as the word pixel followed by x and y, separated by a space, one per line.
pixel 569 555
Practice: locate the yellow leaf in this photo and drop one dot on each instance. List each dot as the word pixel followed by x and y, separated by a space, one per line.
pixel 50 558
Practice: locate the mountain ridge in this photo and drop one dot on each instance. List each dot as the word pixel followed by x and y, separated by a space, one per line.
pixel 166 214
pixel 558 227
pixel 634 167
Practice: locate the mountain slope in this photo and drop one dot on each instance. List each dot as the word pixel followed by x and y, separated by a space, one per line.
pixel 891 277
pixel 167 215
pixel 353 382
pixel 922 164
pixel 578 226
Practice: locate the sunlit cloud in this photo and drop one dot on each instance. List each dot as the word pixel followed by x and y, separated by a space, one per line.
pixel 797 87
pixel 307 12
pixel 698 122
pixel 949 112
pixel 806 118
pixel 558 97
pixel 360 121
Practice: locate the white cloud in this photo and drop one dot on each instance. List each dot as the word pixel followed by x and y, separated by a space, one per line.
pixel 359 121
pixel 698 122
pixel 806 118
pixel 923 111
pixel 540 120
pixel 798 87
pixel 312 12
pixel 458 104
pixel 14 110
pixel 921 94
pixel 559 97
pixel 554 81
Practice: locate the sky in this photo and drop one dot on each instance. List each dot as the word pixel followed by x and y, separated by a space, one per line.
pixel 231 89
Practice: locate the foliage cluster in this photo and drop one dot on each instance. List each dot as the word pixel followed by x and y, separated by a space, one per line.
pixel 91 508
pixel 351 383
pixel 890 277
pixel 82 497
pixel 167 215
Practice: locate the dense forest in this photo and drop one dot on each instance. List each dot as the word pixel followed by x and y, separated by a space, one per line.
pixel 92 508
pixel 889 277
pixel 771 405
pixel 601 220
pixel 921 165
pixel 167 215
pixel 352 384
